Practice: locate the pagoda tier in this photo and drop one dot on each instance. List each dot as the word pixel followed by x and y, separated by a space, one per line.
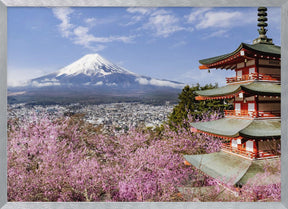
pixel 251 62
pixel 230 128
pixel 250 100
pixel 246 55
pixel 230 169
pixel 230 91
pixel 250 139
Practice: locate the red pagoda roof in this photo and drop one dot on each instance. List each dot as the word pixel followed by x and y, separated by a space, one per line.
pixel 244 51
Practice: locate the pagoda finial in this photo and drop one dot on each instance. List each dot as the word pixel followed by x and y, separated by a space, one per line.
pixel 262 24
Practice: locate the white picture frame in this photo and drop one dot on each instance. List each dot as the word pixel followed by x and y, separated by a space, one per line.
pixel 4 4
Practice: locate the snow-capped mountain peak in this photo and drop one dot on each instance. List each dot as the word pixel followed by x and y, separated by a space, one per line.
pixel 93 71
pixel 91 65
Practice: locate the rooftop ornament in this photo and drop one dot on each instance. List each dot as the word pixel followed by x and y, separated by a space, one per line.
pixel 262 24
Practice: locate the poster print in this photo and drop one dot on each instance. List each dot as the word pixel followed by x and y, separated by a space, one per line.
pixel 99 108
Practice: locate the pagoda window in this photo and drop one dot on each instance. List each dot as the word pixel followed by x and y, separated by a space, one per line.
pixel 239 141
pixel 250 146
pixel 239 74
pixel 251 70
pixel 240 65
pixel 238 108
pixel 250 62
pixel 251 107
pixel 234 143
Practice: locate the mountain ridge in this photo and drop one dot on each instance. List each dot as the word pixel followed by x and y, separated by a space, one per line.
pixel 94 70
pixel 92 76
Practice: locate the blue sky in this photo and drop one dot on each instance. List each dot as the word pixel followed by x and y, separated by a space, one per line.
pixel 163 43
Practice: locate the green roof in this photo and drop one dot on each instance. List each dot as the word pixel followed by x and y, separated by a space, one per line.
pixel 232 169
pixel 259 47
pixel 263 88
pixel 257 167
pixel 256 87
pixel 229 127
pixel 221 91
pixel 263 128
pixel 222 166
pixel 233 127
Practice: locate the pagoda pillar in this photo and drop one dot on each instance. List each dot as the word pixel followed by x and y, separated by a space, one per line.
pixel 256 106
pixel 257 68
pixel 257 148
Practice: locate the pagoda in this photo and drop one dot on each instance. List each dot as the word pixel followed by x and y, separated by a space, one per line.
pixel 251 131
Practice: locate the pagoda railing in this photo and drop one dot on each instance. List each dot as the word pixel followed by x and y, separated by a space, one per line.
pixel 253 114
pixel 245 153
pixel 252 155
pixel 253 76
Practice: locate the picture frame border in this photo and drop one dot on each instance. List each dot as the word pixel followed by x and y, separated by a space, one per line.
pixel 4 4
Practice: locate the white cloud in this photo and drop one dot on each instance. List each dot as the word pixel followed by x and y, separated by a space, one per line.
pixel 143 11
pixel 37 84
pixel 196 14
pixel 138 14
pixel 156 82
pixel 50 80
pixel 91 21
pixel 63 14
pixel 220 20
pixel 17 83
pixel 111 84
pixel 142 81
pixel 99 83
pixel 84 38
pixel 81 35
pixel 204 18
pixel 161 22
pixel 18 76
pixel 218 33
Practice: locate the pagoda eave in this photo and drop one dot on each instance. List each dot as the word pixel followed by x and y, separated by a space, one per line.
pixel 194 130
pixel 230 169
pixel 238 127
pixel 229 62
pixel 251 88
pixel 243 53
pixel 229 96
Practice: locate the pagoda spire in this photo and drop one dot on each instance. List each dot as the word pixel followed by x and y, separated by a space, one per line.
pixel 262 24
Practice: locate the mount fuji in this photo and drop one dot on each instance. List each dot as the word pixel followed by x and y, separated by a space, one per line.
pixel 92 76
pixel 93 70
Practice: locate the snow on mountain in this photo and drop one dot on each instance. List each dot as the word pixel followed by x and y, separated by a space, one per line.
pixel 93 71
pixel 92 65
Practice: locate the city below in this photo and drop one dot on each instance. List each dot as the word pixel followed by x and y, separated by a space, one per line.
pixel 117 116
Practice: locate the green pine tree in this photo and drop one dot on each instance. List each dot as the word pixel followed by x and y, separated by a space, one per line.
pixel 188 104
